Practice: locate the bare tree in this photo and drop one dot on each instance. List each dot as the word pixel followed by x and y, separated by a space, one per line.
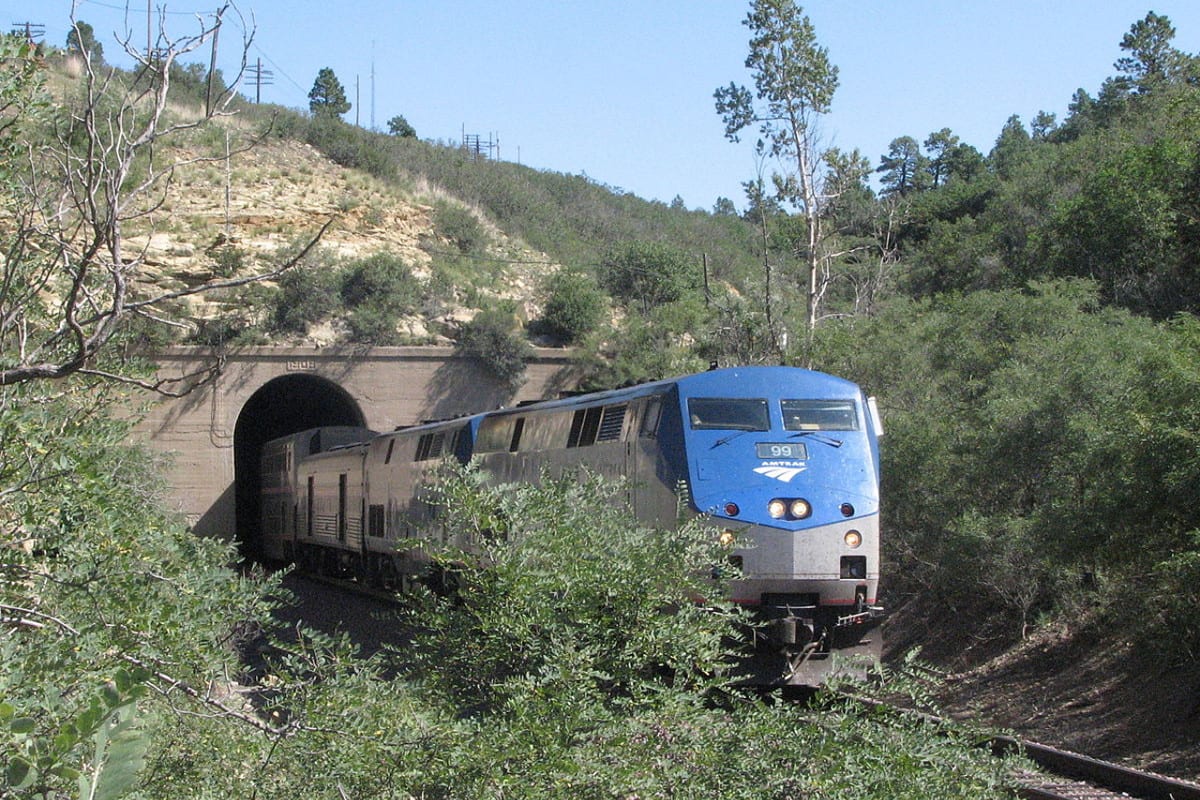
pixel 72 185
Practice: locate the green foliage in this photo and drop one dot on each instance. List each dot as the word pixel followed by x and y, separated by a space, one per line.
pixel 307 294
pixel 494 337
pixel 1152 61
pixel 560 567
pixel 104 595
pixel 647 348
pixel 376 291
pixel 327 98
pixel 349 146
pixel 1037 445
pixel 905 169
pixel 23 100
pixel 106 733
pixel 399 126
pixel 456 224
pixel 591 652
pixel 228 261
pixel 190 83
pixel 575 307
pixel 792 76
pixel 1131 247
pixel 81 39
pixel 649 274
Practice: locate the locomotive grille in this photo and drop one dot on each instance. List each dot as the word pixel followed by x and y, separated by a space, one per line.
pixel 612 424
pixel 430 446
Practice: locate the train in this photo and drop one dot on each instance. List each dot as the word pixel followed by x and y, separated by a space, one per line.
pixel 783 461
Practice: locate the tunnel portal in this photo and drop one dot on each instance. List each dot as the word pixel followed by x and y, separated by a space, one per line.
pixel 284 405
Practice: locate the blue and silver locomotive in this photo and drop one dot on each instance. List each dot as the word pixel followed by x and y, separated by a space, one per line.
pixel 783 462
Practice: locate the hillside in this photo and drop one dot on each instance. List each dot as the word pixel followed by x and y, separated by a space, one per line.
pixel 266 200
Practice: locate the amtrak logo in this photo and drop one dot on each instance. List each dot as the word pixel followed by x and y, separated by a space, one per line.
pixel 784 474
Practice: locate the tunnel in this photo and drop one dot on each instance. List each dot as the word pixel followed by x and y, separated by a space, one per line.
pixel 283 405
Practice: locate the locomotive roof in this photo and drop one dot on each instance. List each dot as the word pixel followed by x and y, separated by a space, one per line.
pixel 725 382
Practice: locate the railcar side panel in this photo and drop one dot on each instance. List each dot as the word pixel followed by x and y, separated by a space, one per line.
pixel 279 499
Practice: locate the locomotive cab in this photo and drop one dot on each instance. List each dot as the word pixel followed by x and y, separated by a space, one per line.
pixel 785 462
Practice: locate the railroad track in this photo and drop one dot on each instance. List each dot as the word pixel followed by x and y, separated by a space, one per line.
pixel 1065 775
pixel 1071 776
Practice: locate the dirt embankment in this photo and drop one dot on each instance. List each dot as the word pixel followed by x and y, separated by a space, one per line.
pixel 1077 688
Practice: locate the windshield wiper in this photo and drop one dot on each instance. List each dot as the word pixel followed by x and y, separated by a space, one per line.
pixel 727 439
pixel 820 437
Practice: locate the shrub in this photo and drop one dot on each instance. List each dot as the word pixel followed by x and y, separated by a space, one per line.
pixel 457 225
pixel 494 338
pixel 575 306
pixel 568 592
pixel 376 291
pixel 649 274
pixel 228 261
pixel 307 294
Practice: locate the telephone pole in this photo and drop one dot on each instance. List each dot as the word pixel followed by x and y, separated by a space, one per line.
pixel 261 77
pixel 32 31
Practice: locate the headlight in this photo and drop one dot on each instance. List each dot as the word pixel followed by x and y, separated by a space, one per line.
pixel 853 539
pixel 800 509
pixel 777 508
pixel 726 538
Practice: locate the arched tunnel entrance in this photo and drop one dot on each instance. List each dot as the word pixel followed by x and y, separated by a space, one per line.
pixel 283 405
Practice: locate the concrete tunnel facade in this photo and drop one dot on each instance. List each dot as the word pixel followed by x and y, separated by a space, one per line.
pixel 213 433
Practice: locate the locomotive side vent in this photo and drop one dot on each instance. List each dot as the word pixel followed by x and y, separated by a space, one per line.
pixel 430 446
pixel 612 424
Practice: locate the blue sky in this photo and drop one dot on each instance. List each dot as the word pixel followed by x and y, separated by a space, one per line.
pixel 621 90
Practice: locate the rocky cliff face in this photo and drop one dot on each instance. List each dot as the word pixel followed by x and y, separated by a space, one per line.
pixel 247 213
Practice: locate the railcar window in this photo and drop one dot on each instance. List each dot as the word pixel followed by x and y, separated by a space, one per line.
pixel 711 413
pixel 518 429
pixel 819 415
pixel 584 425
pixel 612 424
pixel 651 417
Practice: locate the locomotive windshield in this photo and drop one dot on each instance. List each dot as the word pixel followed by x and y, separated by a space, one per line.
pixel 819 415
pixel 711 413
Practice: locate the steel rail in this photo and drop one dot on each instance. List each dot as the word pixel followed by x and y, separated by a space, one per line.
pixel 1114 777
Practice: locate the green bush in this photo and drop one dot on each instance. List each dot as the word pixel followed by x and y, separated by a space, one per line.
pixel 461 228
pixel 1039 447
pixel 560 567
pixel 649 274
pixel 376 291
pixel 575 307
pixel 121 606
pixel 307 293
pixel 495 338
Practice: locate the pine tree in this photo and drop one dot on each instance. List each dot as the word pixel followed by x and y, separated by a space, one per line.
pixel 327 98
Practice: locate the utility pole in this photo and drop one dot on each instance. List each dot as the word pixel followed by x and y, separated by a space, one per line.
pixel 261 77
pixel 30 30
pixel 212 68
